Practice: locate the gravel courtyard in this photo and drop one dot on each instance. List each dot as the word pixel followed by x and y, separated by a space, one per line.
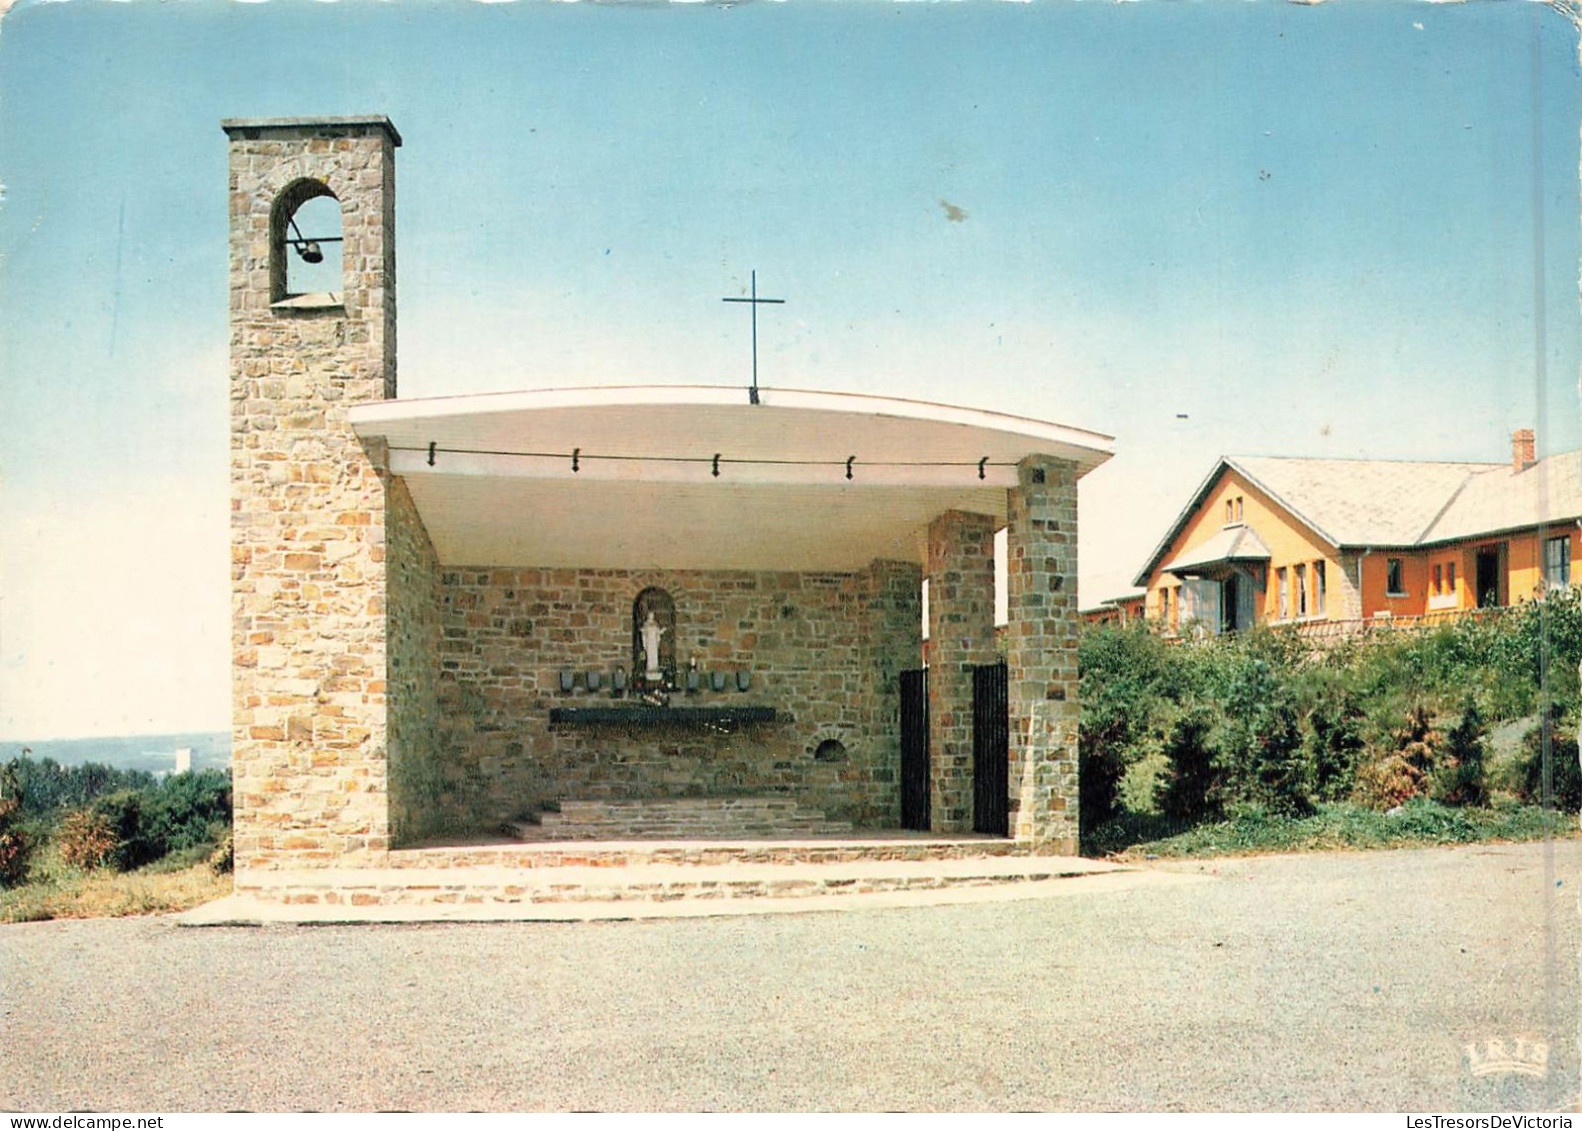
pixel 1348 981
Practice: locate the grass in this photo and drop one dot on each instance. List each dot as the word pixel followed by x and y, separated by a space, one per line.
pixel 1420 822
pixel 55 891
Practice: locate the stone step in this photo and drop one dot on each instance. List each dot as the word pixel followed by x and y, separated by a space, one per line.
pixel 695 852
pixel 677 818
pixel 648 883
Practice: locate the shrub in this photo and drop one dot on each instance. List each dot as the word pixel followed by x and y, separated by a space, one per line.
pixel 1418 741
pixel 1101 766
pixel 1401 773
pixel 1122 669
pixel 223 860
pixel 1281 770
pixel 16 846
pixel 86 840
pixel 1261 740
pixel 1335 745
pixel 1387 781
pixel 1461 778
pixel 1193 785
pixel 122 814
pixel 130 828
pixel 49 789
pixel 187 810
pixel 1565 778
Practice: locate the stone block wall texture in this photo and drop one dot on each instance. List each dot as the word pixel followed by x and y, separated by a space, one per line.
pixel 1040 643
pixel 893 644
pixel 961 636
pixel 1341 593
pixel 824 648
pixel 420 782
pixel 308 507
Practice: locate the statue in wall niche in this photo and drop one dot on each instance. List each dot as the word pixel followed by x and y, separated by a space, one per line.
pixel 652 634
pixel 653 641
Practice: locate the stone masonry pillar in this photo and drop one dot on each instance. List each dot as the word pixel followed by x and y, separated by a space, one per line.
pixel 960 637
pixel 893 643
pixel 308 504
pixel 1041 654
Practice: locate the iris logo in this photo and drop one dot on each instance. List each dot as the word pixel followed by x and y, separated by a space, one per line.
pixel 1509 1056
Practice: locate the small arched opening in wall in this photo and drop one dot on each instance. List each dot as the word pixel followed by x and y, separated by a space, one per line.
pixel 830 750
pixel 305 239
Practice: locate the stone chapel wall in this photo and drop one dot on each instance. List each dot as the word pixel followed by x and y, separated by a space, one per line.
pixel 421 783
pixel 824 649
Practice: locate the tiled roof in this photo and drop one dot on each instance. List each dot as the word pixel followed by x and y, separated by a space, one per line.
pixel 1361 502
pixel 1505 499
pixel 1397 503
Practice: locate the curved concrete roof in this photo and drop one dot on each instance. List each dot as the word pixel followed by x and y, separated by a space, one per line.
pixel 628 477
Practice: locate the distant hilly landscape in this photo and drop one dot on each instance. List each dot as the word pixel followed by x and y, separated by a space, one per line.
pixel 150 752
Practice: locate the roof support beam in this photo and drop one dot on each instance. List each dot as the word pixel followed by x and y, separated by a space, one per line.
pixel 593 468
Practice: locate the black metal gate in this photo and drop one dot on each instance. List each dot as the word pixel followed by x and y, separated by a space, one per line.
pixel 914 749
pixel 991 764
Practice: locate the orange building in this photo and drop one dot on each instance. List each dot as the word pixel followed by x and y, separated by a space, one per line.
pixel 1116 610
pixel 1281 540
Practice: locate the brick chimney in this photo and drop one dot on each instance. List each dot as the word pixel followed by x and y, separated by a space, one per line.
pixel 1523 446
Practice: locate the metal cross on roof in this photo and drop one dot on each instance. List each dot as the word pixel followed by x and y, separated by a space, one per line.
pixel 752 394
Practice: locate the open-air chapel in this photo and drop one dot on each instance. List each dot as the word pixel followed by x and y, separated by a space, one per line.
pixel 524 629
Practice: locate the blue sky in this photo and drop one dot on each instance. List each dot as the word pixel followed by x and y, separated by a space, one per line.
pixel 1310 229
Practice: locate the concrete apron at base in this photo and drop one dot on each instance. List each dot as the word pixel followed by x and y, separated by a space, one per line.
pixel 249 911
pixel 645 882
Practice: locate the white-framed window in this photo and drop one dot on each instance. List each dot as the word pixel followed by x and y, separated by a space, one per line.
pixel 1284 584
pixel 1319 593
pixel 1557 562
pixel 1301 590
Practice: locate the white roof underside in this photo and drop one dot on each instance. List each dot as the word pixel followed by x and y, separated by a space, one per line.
pixel 502 492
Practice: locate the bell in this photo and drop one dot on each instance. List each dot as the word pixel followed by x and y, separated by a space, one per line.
pixel 310 252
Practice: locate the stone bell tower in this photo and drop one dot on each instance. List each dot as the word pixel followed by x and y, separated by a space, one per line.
pixel 308 503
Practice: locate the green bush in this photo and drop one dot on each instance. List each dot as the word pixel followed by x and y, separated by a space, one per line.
pixel 50 789
pixel 1261 740
pixel 187 810
pixel 1461 777
pixel 1343 703
pixel 1193 784
pixel 1559 728
pixel 1122 671
pixel 16 845
pixel 1281 770
pixel 121 815
pixel 185 814
pixel 1335 744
